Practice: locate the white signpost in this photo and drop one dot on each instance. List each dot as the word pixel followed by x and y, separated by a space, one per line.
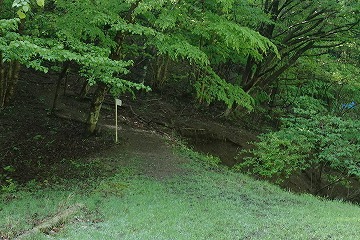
pixel 118 102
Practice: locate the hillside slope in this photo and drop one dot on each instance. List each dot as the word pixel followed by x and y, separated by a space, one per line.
pixel 148 186
pixel 186 196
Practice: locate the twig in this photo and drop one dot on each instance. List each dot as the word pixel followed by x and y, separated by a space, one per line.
pixel 155 99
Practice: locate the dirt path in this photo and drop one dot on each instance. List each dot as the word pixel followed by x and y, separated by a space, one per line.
pixel 35 145
pixel 154 151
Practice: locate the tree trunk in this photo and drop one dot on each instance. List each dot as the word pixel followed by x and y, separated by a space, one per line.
pixel 13 80
pixel 2 81
pixel 95 107
pixel 161 75
pixel 102 88
pixel 60 78
pixel 84 90
pixel 9 76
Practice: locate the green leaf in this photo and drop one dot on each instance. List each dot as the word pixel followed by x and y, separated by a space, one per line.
pixel 9 168
pixel 21 14
pixel 25 8
pixel 40 3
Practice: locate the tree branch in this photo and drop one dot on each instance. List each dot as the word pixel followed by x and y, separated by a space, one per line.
pixel 329 46
pixel 318 24
pixel 290 62
pixel 285 12
pixel 315 55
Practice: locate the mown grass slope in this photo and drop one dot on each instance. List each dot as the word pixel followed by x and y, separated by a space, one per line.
pixel 204 201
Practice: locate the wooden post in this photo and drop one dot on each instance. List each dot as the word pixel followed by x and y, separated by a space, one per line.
pixel 116 122
pixel 118 102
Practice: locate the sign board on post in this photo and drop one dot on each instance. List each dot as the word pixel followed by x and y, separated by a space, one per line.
pixel 118 102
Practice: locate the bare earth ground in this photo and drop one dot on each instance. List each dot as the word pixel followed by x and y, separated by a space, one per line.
pixel 40 146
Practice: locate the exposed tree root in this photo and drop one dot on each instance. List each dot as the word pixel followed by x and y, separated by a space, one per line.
pixel 55 221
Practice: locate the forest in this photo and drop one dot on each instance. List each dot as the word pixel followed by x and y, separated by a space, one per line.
pixel 277 79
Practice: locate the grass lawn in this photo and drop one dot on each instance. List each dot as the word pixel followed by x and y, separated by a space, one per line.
pixel 202 202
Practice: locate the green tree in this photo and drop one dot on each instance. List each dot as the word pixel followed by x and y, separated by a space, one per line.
pixel 34 46
pixel 102 38
pixel 182 31
pixel 331 78
pixel 15 49
pixel 210 35
pixel 296 28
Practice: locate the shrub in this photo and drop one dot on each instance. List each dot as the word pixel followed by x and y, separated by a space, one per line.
pixel 326 144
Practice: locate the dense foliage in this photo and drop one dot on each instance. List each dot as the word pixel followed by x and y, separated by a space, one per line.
pixel 105 38
pixel 319 129
pixel 313 89
pixel 294 60
pixel 323 144
pixel 297 28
